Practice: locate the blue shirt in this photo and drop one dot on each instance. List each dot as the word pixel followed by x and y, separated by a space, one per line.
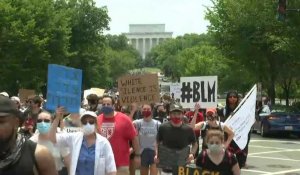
pixel 86 160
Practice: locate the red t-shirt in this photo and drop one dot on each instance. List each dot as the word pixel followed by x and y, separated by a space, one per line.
pixel 119 130
pixel 199 118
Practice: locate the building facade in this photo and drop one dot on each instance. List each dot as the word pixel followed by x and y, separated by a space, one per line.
pixel 143 37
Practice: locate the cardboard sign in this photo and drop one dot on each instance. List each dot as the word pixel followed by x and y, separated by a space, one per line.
pixel 199 89
pixel 138 89
pixel 243 118
pixel 25 93
pixel 64 88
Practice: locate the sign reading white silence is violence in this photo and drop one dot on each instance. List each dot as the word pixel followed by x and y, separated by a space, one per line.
pixel 199 89
pixel 243 118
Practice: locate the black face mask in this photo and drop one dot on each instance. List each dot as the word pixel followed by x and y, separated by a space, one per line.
pixel 161 113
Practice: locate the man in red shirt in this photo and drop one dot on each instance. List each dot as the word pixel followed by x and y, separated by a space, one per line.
pixel 119 130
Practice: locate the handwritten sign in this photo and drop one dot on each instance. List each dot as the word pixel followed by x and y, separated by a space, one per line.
pixel 64 88
pixel 199 89
pixel 243 118
pixel 175 90
pixel 138 89
pixel 25 93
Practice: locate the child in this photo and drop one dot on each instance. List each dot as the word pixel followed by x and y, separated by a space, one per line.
pixel 216 159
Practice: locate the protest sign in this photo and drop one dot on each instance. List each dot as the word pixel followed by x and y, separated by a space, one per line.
pixel 72 129
pixel 175 90
pixel 138 89
pixel 243 118
pixel 64 88
pixel 199 89
pixel 25 93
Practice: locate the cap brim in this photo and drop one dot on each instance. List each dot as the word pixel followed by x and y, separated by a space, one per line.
pixel 179 110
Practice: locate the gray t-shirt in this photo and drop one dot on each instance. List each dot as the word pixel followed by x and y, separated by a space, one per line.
pixel 147 133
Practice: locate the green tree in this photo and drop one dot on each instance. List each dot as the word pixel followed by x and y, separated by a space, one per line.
pixel 247 32
pixel 32 35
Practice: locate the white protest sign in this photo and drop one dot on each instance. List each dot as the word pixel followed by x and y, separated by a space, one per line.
pixel 199 89
pixel 243 118
pixel 72 129
pixel 175 88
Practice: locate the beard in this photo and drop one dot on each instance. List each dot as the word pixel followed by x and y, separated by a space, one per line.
pixel 6 143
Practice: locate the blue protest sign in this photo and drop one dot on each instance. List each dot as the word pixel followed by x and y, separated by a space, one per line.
pixel 64 88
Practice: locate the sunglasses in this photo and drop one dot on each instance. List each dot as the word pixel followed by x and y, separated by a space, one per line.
pixel 88 121
pixel 43 120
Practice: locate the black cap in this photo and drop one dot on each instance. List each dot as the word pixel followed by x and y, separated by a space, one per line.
pixel 176 107
pixel 7 107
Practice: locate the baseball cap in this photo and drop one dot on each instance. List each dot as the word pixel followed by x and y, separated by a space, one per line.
pixel 211 111
pixel 90 113
pixel 15 98
pixel 5 94
pixel 7 106
pixel 176 107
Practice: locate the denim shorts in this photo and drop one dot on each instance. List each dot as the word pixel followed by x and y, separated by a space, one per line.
pixel 147 157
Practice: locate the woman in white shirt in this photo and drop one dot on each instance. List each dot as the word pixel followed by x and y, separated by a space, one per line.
pixel 91 153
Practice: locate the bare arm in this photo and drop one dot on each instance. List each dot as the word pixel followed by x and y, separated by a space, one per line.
pixel 230 133
pixel 236 169
pixel 193 122
pixel 45 161
pixel 136 148
pixel 52 132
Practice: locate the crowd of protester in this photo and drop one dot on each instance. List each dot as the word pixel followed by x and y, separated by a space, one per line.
pixel 113 139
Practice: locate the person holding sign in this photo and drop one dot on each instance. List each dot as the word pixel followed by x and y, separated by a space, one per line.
pixel 173 141
pixel 232 101
pixel 216 159
pixel 91 153
pixel 44 121
pixel 213 123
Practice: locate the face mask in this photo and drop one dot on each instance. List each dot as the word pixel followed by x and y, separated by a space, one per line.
pixel 43 127
pixel 88 129
pixel 176 120
pixel 146 114
pixel 161 113
pixel 214 148
pixel 107 110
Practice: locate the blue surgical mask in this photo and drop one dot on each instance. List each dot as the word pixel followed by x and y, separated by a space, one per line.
pixel 107 110
pixel 43 127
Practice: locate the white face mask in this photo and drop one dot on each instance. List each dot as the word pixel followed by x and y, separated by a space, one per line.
pixel 88 129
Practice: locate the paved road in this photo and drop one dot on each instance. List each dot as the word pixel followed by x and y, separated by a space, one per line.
pixel 273 156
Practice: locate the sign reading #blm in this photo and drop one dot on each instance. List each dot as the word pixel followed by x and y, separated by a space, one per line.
pixel 199 89
pixel 138 89
pixel 64 88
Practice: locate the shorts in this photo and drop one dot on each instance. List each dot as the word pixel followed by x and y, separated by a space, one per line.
pixel 147 157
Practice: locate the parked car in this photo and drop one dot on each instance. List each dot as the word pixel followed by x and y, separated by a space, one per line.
pixel 280 120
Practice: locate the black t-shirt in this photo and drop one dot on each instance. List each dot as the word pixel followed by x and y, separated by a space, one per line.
pixel 25 164
pixel 175 137
pixel 224 168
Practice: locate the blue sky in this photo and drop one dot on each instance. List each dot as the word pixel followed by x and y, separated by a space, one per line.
pixel 180 16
